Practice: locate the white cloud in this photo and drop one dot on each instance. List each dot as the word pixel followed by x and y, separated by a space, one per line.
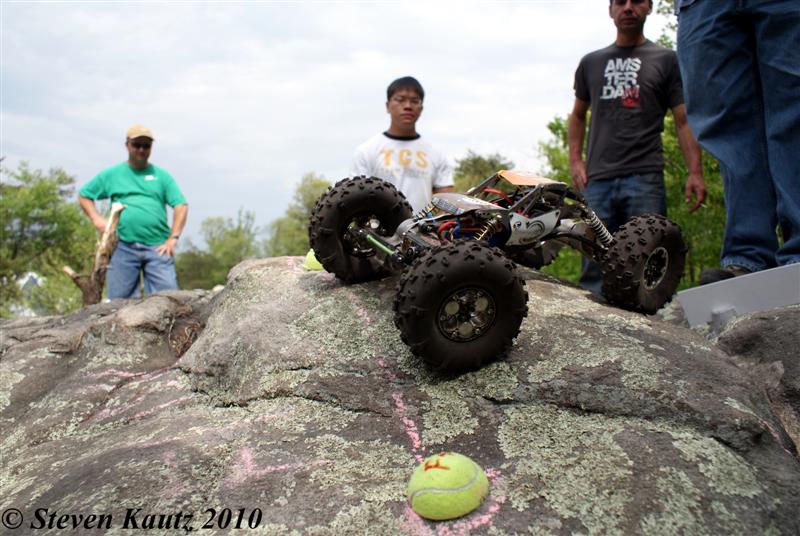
pixel 246 97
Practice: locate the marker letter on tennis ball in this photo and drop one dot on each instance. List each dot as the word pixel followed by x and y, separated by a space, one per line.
pixel 447 486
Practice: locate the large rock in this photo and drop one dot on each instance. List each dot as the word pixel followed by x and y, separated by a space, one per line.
pixel 768 342
pixel 299 399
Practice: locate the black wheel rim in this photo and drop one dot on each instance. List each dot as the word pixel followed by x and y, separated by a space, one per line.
pixel 466 314
pixel 655 268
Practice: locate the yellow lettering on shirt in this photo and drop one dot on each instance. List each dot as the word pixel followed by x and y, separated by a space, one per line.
pixel 387 157
pixel 405 157
pixel 422 162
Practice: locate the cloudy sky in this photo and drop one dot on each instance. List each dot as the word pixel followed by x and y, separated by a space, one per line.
pixel 244 98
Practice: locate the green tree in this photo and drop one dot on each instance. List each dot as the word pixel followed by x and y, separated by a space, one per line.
pixel 666 8
pixel 288 235
pixel 43 230
pixel 568 263
pixel 228 243
pixel 702 229
pixel 473 168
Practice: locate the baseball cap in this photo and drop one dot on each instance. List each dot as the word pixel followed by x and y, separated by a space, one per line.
pixel 138 131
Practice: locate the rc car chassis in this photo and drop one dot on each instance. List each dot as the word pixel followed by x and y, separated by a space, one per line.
pixel 460 300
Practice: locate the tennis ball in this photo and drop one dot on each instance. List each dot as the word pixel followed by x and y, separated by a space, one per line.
pixel 311 262
pixel 447 486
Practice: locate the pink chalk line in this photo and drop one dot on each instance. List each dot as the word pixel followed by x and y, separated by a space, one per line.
pixel 169 458
pixel 294 264
pixel 156 443
pixel 127 375
pixel 493 474
pixel 162 406
pixel 107 413
pixel 361 311
pixel 388 371
pixel 135 377
pixel 175 482
pixel 401 410
pixel 267 417
pixel 327 276
pixel 116 374
pixel 245 468
pixel 411 427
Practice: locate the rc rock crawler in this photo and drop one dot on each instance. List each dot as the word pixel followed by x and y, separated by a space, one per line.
pixel 460 301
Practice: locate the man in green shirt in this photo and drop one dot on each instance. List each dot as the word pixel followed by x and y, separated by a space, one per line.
pixel 146 242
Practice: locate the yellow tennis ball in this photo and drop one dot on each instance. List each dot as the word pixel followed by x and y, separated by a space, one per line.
pixel 447 486
pixel 311 262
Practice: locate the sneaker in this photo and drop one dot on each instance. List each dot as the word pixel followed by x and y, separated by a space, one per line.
pixel 712 275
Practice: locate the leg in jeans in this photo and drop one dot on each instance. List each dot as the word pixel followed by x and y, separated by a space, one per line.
pixel 741 77
pixel 123 272
pixel 643 193
pixel 777 31
pixel 159 271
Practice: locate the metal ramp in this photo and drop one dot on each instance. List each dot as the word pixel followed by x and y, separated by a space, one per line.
pixel 718 302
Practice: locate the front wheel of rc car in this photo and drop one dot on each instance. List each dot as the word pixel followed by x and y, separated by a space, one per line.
pixel 460 305
pixel 365 202
pixel 642 269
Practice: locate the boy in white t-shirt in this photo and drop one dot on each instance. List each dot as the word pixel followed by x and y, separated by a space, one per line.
pixel 399 155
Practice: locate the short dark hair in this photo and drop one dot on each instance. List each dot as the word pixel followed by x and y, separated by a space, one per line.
pixel 406 82
pixel 610 2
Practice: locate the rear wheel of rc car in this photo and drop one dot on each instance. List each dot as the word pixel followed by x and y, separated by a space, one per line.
pixel 460 305
pixel 642 269
pixel 364 202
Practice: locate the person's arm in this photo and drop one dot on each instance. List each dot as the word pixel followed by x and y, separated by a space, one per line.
pixel 90 209
pixel 692 155
pixel 179 215
pixel 444 189
pixel 576 130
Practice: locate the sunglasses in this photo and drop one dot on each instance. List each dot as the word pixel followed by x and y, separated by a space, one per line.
pixel 137 145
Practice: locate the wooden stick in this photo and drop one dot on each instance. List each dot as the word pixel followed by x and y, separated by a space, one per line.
pixel 91 285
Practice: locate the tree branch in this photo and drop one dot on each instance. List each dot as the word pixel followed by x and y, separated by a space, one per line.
pixel 92 285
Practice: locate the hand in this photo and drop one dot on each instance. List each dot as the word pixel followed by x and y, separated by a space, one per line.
pixel 578 170
pixel 697 186
pixel 100 224
pixel 167 247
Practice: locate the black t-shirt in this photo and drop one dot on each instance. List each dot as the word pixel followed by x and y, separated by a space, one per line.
pixel 629 90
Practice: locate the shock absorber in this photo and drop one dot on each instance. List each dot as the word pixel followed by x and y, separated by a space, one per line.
pixel 488 230
pixel 599 229
pixel 424 212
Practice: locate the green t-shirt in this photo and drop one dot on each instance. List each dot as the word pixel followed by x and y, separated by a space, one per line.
pixel 145 193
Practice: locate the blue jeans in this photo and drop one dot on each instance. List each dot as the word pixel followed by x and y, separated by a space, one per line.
pixel 615 201
pixel 131 258
pixel 740 62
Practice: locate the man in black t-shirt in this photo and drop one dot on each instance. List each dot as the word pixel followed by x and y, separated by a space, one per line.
pixel 629 87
